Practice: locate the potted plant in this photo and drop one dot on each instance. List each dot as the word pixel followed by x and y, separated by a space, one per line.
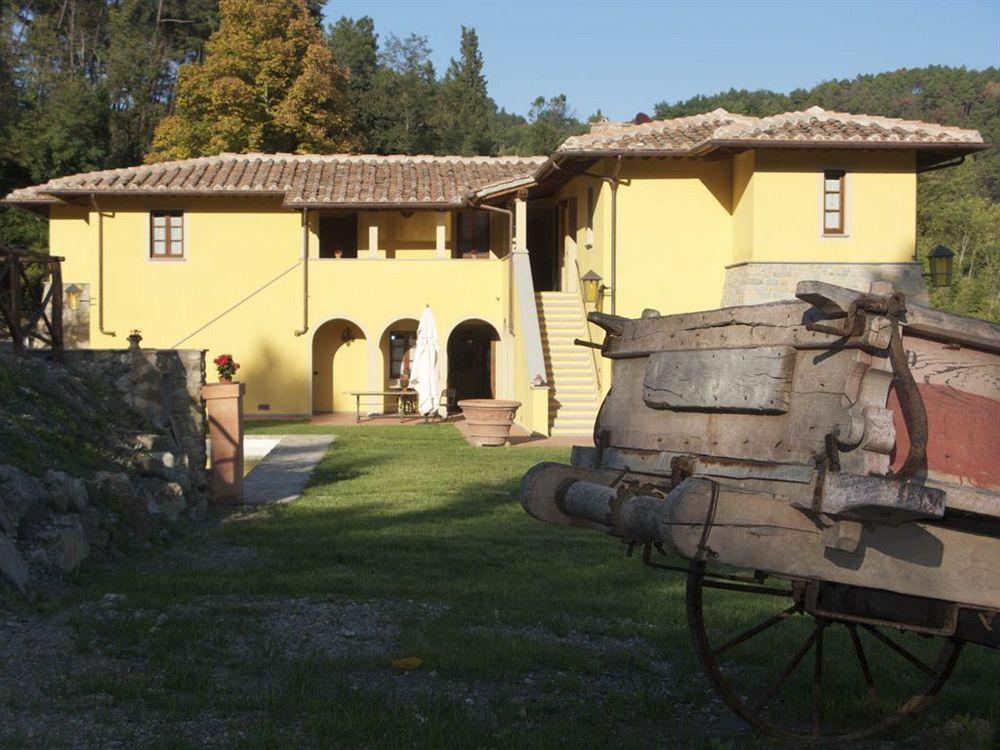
pixel 226 366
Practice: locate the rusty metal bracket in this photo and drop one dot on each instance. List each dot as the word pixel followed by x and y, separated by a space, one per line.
pixel 892 307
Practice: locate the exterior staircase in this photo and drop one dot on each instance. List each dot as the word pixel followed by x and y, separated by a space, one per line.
pixel 575 397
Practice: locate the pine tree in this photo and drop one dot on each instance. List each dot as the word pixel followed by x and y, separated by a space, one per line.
pixel 467 112
pixel 268 82
pixel 354 45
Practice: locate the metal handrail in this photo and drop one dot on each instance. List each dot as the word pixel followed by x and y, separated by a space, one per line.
pixel 583 309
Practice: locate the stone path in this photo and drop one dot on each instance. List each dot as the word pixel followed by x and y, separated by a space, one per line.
pixel 283 473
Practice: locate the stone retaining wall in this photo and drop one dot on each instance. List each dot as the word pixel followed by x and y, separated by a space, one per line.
pixel 163 385
pixel 753 282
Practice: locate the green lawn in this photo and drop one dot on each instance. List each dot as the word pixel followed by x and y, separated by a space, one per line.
pixel 529 635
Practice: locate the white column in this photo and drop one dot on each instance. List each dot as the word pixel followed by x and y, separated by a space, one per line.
pixel 373 235
pixel 441 235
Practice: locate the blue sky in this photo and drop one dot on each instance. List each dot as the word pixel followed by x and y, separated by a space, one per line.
pixel 622 57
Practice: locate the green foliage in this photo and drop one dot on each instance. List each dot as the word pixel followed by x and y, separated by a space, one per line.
pixel 466 112
pixel 82 85
pixel 354 45
pixel 268 82
pixel 405 98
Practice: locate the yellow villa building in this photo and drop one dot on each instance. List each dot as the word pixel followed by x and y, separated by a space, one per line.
pixel 312 270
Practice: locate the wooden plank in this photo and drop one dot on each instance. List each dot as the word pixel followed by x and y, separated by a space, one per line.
pixel 737 336
pixel 950 327
pixel 728 380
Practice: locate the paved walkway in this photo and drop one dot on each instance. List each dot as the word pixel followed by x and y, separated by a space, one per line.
pixel 283 473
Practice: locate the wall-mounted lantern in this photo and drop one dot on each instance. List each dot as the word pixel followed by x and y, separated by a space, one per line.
pixel 591 287
pixel 347 336
pixel 941 260
pixel 72 293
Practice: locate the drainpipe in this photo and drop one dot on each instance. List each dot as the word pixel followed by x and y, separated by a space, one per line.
pixel 510 261
pixel 100 267
pixel 613 182
pixel 305 273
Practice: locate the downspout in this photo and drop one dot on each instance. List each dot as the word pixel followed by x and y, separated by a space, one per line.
pixel 100 267
pixel 613 181
pixel 305 273
pixel 510 260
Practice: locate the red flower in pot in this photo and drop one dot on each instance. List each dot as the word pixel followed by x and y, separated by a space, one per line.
pixel 226 367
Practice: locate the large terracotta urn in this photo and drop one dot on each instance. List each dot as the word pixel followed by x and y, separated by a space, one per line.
pixel 488 419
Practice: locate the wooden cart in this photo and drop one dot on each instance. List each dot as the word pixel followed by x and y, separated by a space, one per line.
pixel 829 466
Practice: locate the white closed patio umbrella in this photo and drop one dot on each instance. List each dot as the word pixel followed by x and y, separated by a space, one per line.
pixel 424 368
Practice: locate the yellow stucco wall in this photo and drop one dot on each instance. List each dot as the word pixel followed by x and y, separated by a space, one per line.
pixel 880 200
pixel 674 235
pixel 239 290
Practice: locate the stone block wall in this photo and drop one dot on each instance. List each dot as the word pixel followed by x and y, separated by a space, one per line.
pixel 163 385
pixel 753 282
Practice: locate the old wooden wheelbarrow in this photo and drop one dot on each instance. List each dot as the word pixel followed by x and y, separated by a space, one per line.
pixel 829 470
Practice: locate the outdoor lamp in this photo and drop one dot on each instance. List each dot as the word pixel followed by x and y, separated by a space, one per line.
pixel 591 287
pixel 72 297
pixel 347 336
pixel 940 260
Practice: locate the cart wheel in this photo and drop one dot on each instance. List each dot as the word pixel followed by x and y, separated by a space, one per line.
pixel 860 681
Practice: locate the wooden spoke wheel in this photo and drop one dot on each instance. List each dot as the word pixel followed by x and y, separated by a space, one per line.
pixel 800 677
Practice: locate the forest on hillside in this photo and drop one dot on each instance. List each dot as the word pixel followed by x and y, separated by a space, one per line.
pixel 96 84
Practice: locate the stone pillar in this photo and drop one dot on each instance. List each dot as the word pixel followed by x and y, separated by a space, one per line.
pixel 224 404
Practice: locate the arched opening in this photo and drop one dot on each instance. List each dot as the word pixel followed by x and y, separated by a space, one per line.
pixel 398 342
pixel 340 365
pixel 472 360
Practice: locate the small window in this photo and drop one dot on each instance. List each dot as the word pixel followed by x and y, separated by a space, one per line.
pixel 166 234
pixel 401 346
pixel 833 201
pixel 473 234
pixel 338 236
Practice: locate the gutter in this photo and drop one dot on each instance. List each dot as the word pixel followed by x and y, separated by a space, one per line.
pixel 305 274
pixel 100 267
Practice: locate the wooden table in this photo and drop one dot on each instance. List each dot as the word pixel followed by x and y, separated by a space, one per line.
pixel 400 393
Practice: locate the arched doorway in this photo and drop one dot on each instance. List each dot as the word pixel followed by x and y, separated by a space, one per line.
pixel 472 360
pixel 339 363
pixel 397 344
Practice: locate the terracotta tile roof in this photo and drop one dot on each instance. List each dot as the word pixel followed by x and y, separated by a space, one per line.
pixel 301 181
pixel 814 127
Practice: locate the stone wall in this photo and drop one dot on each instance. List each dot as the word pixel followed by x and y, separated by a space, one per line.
pixel 150 482
pixel 753 283
pixel 162 385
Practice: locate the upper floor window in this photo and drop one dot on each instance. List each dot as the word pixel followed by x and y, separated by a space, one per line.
pixel 473 231
pixel 833 201
pixel 166 239
pixel 338 236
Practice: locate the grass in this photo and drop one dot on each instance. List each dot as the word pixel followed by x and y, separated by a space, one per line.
pixel 489 599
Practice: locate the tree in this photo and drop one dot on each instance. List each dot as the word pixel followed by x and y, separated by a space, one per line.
pixel 267 82
pixel 354 45
pixel 405 98
pixel 549 123
pixel 466 112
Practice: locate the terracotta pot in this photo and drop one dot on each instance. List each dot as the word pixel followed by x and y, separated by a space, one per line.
pixel 489 419
pixel 224 379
